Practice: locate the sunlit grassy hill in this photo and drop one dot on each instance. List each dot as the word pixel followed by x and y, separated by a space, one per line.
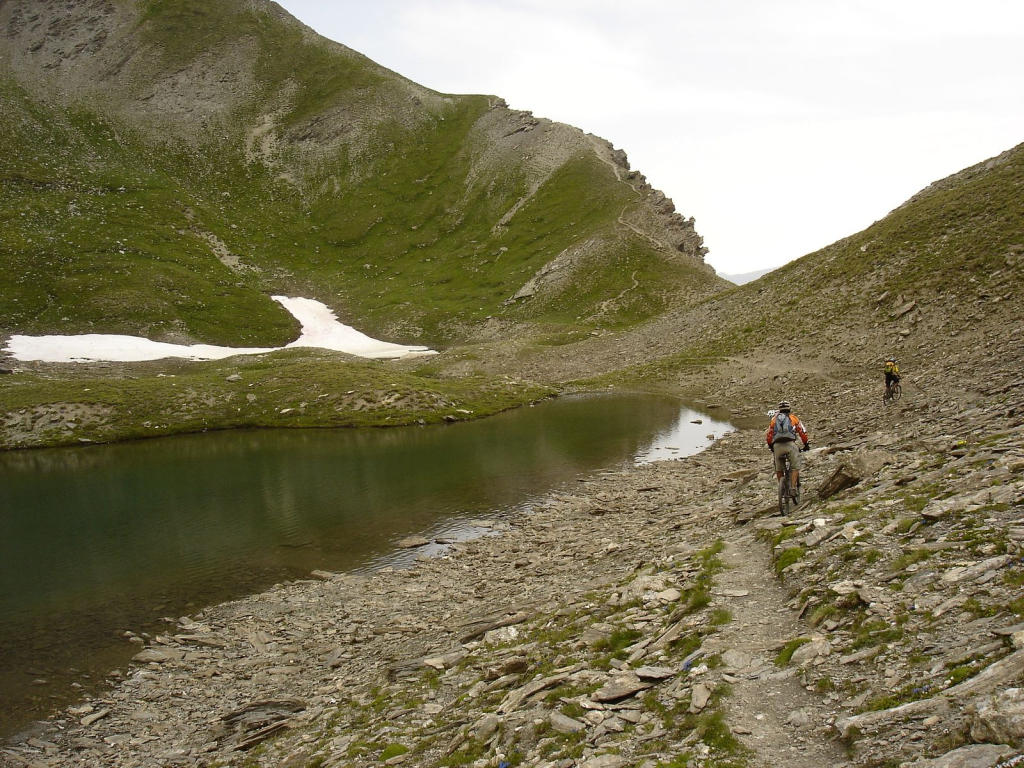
pixel 170 164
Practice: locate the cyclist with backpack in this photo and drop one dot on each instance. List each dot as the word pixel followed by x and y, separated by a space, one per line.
pixel 892 375
pixel 782 433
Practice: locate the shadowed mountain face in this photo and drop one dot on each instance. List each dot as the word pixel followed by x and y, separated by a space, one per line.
pixel 173 163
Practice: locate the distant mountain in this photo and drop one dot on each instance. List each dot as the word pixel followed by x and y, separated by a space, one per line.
pixel 745 277
pixel 168 165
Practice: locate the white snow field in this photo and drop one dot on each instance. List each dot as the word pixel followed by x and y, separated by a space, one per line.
pixel 320 328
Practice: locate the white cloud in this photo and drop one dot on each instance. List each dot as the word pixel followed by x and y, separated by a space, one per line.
pixel 780 126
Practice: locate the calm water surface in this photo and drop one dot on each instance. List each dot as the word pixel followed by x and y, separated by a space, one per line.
pixel 99 540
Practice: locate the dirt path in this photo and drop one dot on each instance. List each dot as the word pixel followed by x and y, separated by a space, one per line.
pixel 768 710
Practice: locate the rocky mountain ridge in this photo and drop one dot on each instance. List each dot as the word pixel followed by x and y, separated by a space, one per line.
pixel 299 164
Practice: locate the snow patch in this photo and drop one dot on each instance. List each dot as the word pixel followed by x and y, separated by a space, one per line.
pixel 320 328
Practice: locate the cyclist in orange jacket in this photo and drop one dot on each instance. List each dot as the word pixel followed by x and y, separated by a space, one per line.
pixel 782 433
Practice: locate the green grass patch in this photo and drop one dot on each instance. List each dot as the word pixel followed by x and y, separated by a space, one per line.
pixel 872 632
pixel 290 388
pixel 393 750
pixel 910 558
pixel 906 694
pixel 783 657
pixel 616 643
pixel 785 533
pixel 788 557
pixel 720 616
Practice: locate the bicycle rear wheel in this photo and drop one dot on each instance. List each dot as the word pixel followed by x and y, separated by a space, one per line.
pixel 784 498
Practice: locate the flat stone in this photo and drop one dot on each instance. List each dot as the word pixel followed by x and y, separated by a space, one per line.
pixel 655 673
pixel 845 587
pixel 620 687
pixel 158 656
pixel 412 542
pixel 730 592
pixel 90 719
pixel 605 761
pixel 445 661
pixel 565 724
pixel 735 659
pixel 1010 631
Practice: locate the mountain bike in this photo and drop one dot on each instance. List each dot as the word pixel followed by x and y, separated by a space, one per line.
pixel 892 393
pixel 787 499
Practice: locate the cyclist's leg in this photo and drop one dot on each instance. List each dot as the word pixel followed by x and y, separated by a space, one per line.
pixel 780 462
pixel 794 466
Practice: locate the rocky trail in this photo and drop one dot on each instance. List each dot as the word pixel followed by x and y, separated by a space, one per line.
pixel 656 616
pixel 769 710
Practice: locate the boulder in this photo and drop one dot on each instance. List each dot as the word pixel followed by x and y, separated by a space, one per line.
pixel 809 652
pixel 801 718
pixel 973 756
pixel 1000 719
pixel 853 470
pixel 486 727
pixel 699 698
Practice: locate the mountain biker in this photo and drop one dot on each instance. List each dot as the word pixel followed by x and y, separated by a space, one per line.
pixel 781 436
pixel 892 374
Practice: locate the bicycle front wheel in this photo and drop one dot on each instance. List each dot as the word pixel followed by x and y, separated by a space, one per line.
pixel 897 390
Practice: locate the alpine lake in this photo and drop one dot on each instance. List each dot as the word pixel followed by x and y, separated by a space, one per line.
pixel 103 541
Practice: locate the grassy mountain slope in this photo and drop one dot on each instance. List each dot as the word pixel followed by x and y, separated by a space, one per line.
pixel 221 152
pixel 938 270
pixel 937 282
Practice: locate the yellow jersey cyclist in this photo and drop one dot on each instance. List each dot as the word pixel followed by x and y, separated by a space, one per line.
pixel 892 374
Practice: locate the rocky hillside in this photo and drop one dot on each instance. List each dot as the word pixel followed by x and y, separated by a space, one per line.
pixel 658 617
pixel 221 152
pixel 938 282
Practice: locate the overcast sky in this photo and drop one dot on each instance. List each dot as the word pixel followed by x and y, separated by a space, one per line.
pixel 780 125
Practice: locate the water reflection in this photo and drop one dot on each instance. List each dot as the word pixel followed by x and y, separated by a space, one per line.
pixel 691 432
pixel 101 539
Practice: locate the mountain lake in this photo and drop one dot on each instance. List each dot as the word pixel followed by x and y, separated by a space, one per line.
pixel 102 540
